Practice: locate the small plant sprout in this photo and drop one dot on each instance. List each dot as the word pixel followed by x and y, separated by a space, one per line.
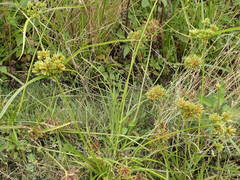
pixel 156 92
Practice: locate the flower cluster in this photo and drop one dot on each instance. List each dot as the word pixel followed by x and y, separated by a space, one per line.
pixel 193 62
pixel 219 147
pixel 33 8
pixel 189 109
pixel 222 123
pixel 47 65
pixel 124 172
pixel 205 33
pixel 153 28
pixel 218 86
pixel 156 92
pixel 206 21
pixel 134 35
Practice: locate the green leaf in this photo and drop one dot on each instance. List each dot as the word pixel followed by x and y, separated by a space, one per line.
pixel 69 148
pixel 19 39
pixel 126 50
pixel 3 69
pixel 145 3
pixel 209 101
pixel 237 2
pixel 164 3
pixel 132 124
pixel 23 3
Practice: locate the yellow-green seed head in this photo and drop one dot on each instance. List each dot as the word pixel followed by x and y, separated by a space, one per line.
pixel 214 27
pixel 38 67
pixel 206 21
pixel 203 34
pixel 230 131
pixel 189 109
pixel 193 62
pixel 58 57
pixel 219 147
pixel 48 65
pixel 156 92
pixel 215 117
pixel 226 116
pixel 153 28
pixel 220 128
pixel 30 4
pixel 33 8
pixel 42 55
pixel 218 86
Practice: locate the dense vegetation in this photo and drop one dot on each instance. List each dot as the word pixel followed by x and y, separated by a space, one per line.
pixel 119 89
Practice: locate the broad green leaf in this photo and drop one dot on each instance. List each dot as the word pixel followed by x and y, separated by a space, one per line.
pixel 3 69
pixel 126 50
pixel 164 3
pixel 145 3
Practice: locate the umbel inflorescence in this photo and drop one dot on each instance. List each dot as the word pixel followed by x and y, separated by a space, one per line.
pixel 189 109
pixel 49 65
pixel 222 123
pixel 34 8
pixel 193 61
pixel 206 33
pixel 156 92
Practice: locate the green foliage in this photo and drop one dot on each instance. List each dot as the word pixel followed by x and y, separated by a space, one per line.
pixel 134 94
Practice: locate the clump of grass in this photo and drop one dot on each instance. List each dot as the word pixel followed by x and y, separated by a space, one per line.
pixel 85 126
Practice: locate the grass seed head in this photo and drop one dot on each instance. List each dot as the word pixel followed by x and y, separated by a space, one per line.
pixel 214 27
pixel 203 34
pixel 153 28
pixel 219 128
pixel 218 86
pixel 156 92
pixel 48 65
pixel 230 131
pixel 227 116
pixel 219 147
pixel 193 62
pixel 206 21
pixel 124 171
pixel 215 117
pixel 34 8
pixel 42 55
pixel 189 109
